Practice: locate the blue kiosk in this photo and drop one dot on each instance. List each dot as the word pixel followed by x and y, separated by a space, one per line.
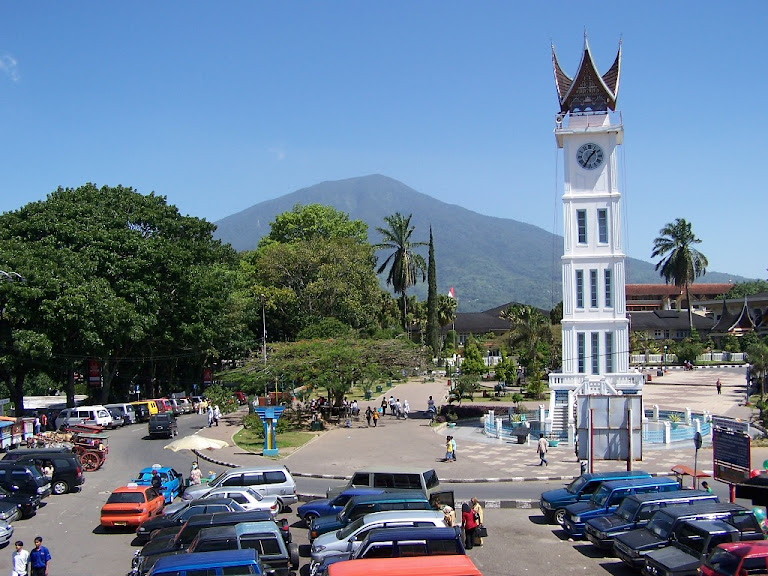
pixel 269 416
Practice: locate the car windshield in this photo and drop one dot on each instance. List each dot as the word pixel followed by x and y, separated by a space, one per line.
pixel 600 497
pixel 255 495
pixel 723 561
pixel 628 509
pixel 349 530
pixel 126 498
pixel 660 525
pixel 344 513
pixel 576 486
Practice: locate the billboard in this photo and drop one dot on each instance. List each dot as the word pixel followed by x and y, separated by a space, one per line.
pixel 731 457
pixel 610 426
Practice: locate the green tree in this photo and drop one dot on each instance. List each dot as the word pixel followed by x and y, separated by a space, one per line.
pixel 748 288
pixel 473 358
pixel 680 262
pixel 314 222
pixel 404 264
pixel 433 319
pixel 466 386
pixel 757 354
pixel 529 328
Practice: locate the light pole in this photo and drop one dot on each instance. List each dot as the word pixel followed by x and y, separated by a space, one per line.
pixel 264 328
pixel 664 359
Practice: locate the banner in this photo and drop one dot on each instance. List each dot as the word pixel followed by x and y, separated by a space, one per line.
pixel 94 373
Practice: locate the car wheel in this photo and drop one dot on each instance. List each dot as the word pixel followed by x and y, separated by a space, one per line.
pixel 560 516
pixel 309 518
pixel 293 551
pixel 60 487
pixel 280 507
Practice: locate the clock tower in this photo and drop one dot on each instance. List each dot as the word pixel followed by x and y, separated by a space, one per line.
pixel 595 327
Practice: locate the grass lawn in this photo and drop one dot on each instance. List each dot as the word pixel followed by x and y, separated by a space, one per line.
pixel 288 441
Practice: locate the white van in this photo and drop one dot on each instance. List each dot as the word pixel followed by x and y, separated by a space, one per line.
pixel 129 414
pixel 94 415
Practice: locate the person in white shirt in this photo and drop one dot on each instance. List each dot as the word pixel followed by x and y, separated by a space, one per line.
pixel 19 559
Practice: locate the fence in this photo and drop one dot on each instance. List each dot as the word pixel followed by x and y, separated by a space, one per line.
pixel 656 359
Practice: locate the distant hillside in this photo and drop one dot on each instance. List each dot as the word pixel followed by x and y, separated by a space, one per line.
pixel 487 260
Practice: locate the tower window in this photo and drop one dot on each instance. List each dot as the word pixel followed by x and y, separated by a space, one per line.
pixel 581 345
pixel 593 288
pixel 581 223
pixel 579 288
pixel 608 288
pixel 609 352
pixel 602 226
pixel 595 352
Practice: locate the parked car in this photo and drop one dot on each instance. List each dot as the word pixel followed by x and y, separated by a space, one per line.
pixel 24 478
pixel 25 504
pixel 173 540
pixel 737 558
pixel 692 544
pixel 636 511
pixel 632 547
pixel 554 502
pixel 6 533
pixel 359 506
pixel 331 506
pixel 171 482
pixel 96 415
pixel 267 480
pixel 162 424
pixel 393 478
pixel 264 537
pixel 126 410
pixel 67 469
pixel 10 511
pixel 349 538
pixel 397 542
pixel 131 505
pixel 117 418
pixel 247 497
pixel 210 564
pixel 185 512
pixel 607 499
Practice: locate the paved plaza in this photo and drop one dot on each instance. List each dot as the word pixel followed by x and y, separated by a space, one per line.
pixel 340 451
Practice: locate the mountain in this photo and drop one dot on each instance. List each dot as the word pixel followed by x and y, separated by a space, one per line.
pixel 488 261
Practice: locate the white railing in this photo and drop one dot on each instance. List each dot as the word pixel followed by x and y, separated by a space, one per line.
pixel 656 359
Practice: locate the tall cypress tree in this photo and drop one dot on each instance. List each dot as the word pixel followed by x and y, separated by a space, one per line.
pixel 433 325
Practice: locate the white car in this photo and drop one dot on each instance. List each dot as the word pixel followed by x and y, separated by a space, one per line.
pixel 248 498
pixel 349 538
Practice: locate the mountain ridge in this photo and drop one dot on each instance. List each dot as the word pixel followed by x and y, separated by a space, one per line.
pixel 487 259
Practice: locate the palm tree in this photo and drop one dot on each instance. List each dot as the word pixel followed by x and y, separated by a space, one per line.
pixel 680 263
pixel 528 328
pixel 404 264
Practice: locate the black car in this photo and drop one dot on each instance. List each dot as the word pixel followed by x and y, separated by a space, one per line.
pixel 189 508
pixel 25 502
pixel 162 425
pixel 67 469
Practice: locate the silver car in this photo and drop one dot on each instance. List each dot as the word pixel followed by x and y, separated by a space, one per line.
pixel 247 497
pixel 349 538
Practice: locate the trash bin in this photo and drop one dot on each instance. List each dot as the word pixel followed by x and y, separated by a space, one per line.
pixel 659 372
pixel 368 394
pixel 389 383
pixel 378 389
pixel 316 426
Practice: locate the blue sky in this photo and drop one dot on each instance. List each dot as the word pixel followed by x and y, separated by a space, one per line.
pixel 221 105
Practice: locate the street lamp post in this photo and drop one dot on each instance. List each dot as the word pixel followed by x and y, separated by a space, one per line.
pixel 664 359
pixel 264 345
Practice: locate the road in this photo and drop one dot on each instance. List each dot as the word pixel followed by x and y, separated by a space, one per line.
pixel 518 543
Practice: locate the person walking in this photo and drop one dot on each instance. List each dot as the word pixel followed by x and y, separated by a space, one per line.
pixel 453 447
pixel 719 386
pixel 39 558
pixel 448 450
pixel 383 406
pixel 375 418
pixel 195 475
pixel 368 415
pixel 19 560
pixel 398 409
pixel 541 448
pixel 406 409
pixel 469 524
pixel 210 416
pixel 392 405
pixel 36 425
pixel 477 510
pixel 216 414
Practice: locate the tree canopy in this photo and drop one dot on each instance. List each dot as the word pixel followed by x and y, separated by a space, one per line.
pixel 314 222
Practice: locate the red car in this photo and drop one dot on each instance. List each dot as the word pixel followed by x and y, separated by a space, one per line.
pixel 130 506
pixel 737 559
pixel 241 398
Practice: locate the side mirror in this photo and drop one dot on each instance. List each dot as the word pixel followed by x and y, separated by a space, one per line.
pixel 350 545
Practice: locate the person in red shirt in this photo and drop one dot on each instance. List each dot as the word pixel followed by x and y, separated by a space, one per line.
pixel 470 524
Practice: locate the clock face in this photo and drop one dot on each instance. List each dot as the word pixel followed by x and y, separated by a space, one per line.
pixel 589 156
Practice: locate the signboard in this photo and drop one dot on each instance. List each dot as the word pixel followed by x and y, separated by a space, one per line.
pixel 730 424
pixel 610 426
pixel 207 377
pixel 94 373
pixel 731 456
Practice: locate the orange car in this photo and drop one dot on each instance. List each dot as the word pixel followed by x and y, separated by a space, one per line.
pixel 130 506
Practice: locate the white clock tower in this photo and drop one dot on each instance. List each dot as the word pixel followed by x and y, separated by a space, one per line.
pixel 595 326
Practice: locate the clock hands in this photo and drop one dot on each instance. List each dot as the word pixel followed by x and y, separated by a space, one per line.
pixel 586 162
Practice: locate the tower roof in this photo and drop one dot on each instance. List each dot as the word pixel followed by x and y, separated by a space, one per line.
pixel 587 91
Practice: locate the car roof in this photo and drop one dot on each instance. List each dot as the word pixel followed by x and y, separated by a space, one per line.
pixel 225 517
pixel 701 508
pixel 390 496
pixel 158 468
pixel 361 491
pixel 667 496
pixel 616 475
pixel 138 488
pixel 391 515
pixel 408 533
pixel 252 527
pixel 712 525
pixel 205 559
pixel 746 548
pixel 264 468
pixel 631 482
pixel 394 470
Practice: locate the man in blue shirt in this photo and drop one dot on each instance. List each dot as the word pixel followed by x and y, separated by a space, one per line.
pixel 39 558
